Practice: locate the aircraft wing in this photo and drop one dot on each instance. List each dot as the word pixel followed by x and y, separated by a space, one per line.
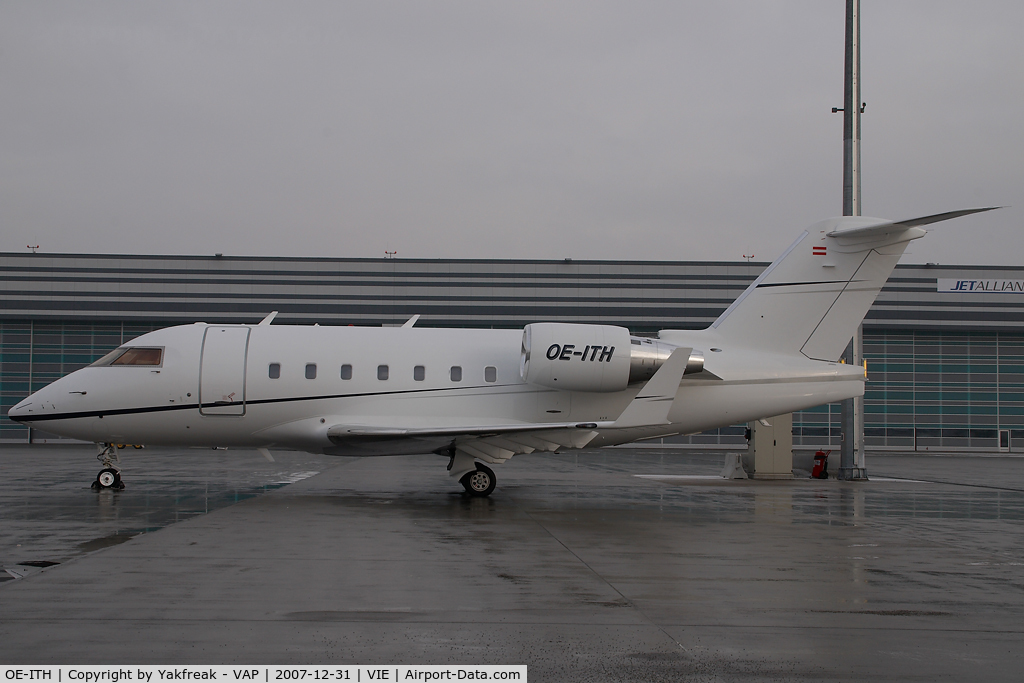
pixel 491 443
pixel 343 431
pixel 496 443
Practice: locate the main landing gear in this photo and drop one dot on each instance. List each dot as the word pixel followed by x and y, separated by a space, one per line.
pixel 480 482
pixel 478 479
pixel 109 477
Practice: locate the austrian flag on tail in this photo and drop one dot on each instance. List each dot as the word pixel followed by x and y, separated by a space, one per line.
pixel 818 251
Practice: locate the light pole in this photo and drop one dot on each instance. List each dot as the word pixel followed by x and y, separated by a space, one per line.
pixel 851 460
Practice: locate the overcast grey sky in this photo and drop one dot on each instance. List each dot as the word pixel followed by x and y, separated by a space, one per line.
pixel 653 130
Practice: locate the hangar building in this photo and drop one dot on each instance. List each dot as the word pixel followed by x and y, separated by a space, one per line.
pixel 944 344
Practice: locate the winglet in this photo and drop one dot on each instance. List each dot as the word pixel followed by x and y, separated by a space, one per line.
pixel 269 319
pixel 411 321
pixel 652 404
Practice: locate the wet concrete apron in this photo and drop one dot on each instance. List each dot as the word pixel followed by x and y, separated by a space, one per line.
pixel 575 566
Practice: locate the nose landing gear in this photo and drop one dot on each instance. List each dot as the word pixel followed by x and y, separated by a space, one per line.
pixel 109 477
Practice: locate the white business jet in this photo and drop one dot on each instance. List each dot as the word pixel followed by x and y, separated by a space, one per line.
pixel 487 395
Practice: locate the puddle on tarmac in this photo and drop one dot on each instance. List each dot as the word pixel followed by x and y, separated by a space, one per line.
pixel 108 541
pixel 51 513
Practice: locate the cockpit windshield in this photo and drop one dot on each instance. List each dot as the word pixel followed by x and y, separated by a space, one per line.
pixel 131 355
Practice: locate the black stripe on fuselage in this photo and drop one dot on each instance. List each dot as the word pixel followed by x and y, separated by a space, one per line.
pixel 261 401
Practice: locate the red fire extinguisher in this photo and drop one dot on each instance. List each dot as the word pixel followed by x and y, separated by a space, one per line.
pixel 820 470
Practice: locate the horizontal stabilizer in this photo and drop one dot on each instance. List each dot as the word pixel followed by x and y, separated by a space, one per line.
pixel 939 217
pixel 872 228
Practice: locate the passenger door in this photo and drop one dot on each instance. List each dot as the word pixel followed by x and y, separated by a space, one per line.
pixel 222 370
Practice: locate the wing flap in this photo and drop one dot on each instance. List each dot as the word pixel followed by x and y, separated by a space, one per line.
pixel 511 444
pixel 489 453
pixel 498 449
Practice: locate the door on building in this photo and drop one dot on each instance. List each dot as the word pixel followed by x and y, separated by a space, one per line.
pixel 1004 440
pixel 222 371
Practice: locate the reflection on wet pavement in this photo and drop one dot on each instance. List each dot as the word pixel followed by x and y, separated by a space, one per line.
pixel 50 512
pixel 577 565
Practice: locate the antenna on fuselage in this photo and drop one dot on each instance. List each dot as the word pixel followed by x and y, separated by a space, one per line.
pixel 269 319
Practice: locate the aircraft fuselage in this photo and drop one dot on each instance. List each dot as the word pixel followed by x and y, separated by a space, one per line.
pixel 286 386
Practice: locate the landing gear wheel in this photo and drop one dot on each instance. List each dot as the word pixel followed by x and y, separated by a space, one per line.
pixel 480 483
pixel 108 478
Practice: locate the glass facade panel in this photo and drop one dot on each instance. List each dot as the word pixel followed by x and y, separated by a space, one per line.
pixel 931 390
pixel 33 354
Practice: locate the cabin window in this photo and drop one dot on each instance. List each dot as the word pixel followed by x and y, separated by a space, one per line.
pixel 456 373
pixel 310 370
pixel 419 373
pixel 382 372
pixel 346 371
pixel 490 374
pixel 132 356
pixel 275 371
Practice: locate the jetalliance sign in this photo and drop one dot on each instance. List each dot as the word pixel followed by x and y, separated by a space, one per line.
pixel 951 285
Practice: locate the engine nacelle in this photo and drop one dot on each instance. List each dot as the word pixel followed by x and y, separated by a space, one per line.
pixel 593 357
pixel 576 357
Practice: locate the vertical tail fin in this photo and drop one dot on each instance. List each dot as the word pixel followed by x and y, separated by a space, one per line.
pixel 812 298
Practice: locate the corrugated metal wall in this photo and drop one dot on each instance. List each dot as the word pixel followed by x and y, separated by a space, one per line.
pixel 59 312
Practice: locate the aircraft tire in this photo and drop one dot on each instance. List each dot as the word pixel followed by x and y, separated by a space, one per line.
pixel 108 478
pixel 480 483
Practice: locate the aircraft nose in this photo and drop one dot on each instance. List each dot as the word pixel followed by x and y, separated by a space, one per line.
pixel 21 411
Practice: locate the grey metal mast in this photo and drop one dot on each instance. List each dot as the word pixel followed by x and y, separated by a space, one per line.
pixel 852 112
pixel 851 462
